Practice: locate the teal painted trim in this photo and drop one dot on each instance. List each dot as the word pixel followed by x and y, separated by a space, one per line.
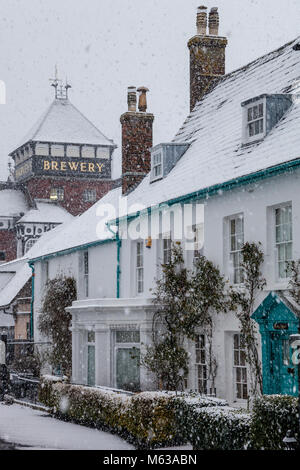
pixel 119 245
pixel 218 188
pixel 72 250
pixel 32 301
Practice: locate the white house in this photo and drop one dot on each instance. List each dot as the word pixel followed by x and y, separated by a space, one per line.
pixel 234 165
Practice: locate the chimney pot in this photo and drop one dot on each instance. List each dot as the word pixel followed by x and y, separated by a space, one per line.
pixel 201 20
pixel 142 99
pixel 213 22
pixel 131 99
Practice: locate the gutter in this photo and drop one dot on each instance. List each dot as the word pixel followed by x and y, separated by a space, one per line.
pixel 72 250
pixel 119 245
pixel 216 189
pixel 31 265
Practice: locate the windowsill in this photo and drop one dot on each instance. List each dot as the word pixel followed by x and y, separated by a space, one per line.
pixel 251 142
pixel 277 285
pixel 158 178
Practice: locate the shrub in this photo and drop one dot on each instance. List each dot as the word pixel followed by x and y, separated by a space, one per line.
pixel 219 428
pixel 273 415
pixel 147 419
pixel 150 419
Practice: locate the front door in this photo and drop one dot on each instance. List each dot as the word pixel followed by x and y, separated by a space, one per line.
pixel 277 322
pixel 283 374
pixel 128 368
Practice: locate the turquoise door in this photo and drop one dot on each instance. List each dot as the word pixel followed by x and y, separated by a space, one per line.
pixel 277 321
pixel 91 366
pixel 128 369
pixel 283 374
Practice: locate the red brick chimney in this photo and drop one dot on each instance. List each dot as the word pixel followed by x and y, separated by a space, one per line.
pixel 207 55
pixel 136 140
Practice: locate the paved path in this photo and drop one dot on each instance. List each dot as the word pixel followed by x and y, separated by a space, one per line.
pixel 33 429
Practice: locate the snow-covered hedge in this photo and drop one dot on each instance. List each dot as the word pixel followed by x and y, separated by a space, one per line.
pixel 148 419
pixel 272 416
pixel 218 428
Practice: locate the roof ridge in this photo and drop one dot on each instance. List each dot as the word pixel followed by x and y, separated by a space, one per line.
pixel 226 77
pixel 90 122
pixel 42 119
pixel 243 67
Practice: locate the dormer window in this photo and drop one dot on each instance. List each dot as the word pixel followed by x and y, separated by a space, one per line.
pixel 261 114
pixel 255 120
pixel 164 157
pixel 157 166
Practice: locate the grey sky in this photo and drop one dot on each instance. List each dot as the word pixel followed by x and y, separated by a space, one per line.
pixel 103 46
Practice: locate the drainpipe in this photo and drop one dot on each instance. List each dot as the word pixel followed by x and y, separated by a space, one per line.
pixel 32 301
pixel 119 244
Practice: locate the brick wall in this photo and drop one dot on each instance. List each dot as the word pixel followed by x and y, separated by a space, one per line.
pixel 137 139
pixel 8 244
pixel 207 65
pixel 39 188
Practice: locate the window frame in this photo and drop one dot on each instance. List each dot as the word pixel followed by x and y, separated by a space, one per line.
pixel 201 366
pixel 86 273
pixel 247 138
pixel 59 194
pixel 282 206
pixel 155 165
pixel 166 247
pixel 241 368
pixel 89 199
pixel 139 268
pixel 232 253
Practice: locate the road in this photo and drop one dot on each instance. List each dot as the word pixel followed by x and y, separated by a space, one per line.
pixel 24 428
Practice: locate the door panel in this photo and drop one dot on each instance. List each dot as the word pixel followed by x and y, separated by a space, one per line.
pixel 128 369
pixel 283 374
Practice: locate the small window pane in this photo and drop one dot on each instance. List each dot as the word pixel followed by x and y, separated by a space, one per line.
pixel 91 336
pixel 128 336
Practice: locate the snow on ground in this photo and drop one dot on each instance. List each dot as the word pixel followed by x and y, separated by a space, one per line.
pixel 38 430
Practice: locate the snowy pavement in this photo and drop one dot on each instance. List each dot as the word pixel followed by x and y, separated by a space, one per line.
pixel 33 429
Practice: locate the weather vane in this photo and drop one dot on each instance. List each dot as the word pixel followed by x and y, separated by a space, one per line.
pixel 61 90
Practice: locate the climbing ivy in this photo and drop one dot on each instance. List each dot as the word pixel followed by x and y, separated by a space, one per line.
pixel 243 300
pixel 186 302
pixel 55 322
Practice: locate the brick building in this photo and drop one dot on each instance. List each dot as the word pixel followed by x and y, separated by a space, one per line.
pixel 61 168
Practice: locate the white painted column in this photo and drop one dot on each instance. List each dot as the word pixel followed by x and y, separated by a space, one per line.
pixel 147 378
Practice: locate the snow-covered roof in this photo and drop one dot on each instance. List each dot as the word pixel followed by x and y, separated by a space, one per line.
pixel 12 202
pixel 85 229
pixel 21 272
pixel 13 287
pixel 214 130
pixel 47 212
pixel 215 154
pixel 64 123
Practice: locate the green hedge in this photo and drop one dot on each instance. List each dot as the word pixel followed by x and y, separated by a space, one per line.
pixel 157 419
pixel 147 419
pixel 272 416
pixel 219 428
